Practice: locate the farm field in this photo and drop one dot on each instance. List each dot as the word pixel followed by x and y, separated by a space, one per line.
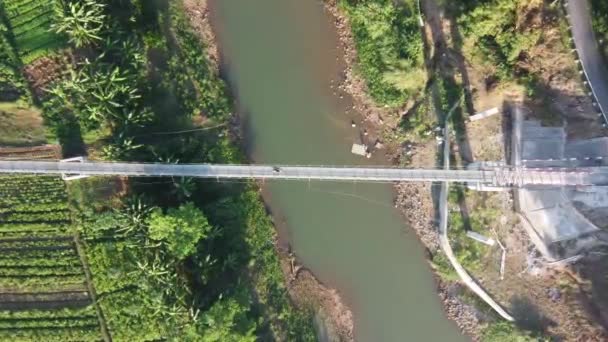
pixel 30 22
pixel 43 290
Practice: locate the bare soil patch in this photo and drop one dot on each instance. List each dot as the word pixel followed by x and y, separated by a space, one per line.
pixel 49 152
pixel 43 71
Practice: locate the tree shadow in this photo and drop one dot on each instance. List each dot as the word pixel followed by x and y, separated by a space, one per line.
pixel 459 62
pixel 592 289
pixel 445 93
pixel 528 316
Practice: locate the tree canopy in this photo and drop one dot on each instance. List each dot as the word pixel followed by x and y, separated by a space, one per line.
pixel 180 228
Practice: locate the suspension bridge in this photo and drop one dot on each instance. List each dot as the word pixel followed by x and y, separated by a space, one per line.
pixel 499 176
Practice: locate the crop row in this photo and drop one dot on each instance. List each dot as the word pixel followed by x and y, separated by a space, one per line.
pixel 24 192
pixel 31 25
pixel 44 287
pixel 35 198
pixel 41 273
pixel 17 254
pixel 32 197
pixel 57 232
pixel 34 189
pixel 59 313
pixel 36 217
pixel 44 322
pixel 19 206
pixel 31 188
pixel 37 38
pixel 52 334
pixel 40 52
pixel 38 271
pixel 29 243
pixel 34 182
pixel 63 260
pixel 41 283
pixel 12 186
pixel 32 229
pixel 17 8
pixel 29 184
pixel 33 14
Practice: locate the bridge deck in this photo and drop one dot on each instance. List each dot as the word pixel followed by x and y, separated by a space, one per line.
pixel 497 176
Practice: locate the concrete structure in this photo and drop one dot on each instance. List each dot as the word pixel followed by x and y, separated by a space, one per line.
pixel 359 149
pixel 484 114
pixel 480 238
pixel 552 218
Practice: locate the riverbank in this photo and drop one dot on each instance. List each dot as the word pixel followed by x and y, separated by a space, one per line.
pixel 333 318
pixel 413 200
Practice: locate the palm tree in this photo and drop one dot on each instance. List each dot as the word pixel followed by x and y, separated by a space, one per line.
pixel 136 212
pixel 82 21
pixel 120 148
pixel 183 187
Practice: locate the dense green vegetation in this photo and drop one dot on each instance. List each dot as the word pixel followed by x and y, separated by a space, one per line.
pixel 389 45
pixel 469 252
pixel 501 37
pixel 507 332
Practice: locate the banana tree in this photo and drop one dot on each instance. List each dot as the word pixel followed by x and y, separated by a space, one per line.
pixel 82 21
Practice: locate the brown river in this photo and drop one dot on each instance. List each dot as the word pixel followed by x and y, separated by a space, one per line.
pixel 280 57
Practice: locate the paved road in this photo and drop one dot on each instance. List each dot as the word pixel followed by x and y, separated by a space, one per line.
pixel 589 52
pixel 496 176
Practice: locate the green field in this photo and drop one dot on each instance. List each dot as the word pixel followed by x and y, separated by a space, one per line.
pixel 43 288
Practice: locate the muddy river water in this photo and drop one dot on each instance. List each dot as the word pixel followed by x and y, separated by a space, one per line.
pixel 281 57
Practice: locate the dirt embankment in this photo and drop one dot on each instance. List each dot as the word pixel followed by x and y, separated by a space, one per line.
pixel 198 13
pixel 333 317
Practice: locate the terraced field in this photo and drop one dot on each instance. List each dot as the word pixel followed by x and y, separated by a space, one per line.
pixel 30 21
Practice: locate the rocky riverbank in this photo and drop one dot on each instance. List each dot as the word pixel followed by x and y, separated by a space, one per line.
pixel 333 318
